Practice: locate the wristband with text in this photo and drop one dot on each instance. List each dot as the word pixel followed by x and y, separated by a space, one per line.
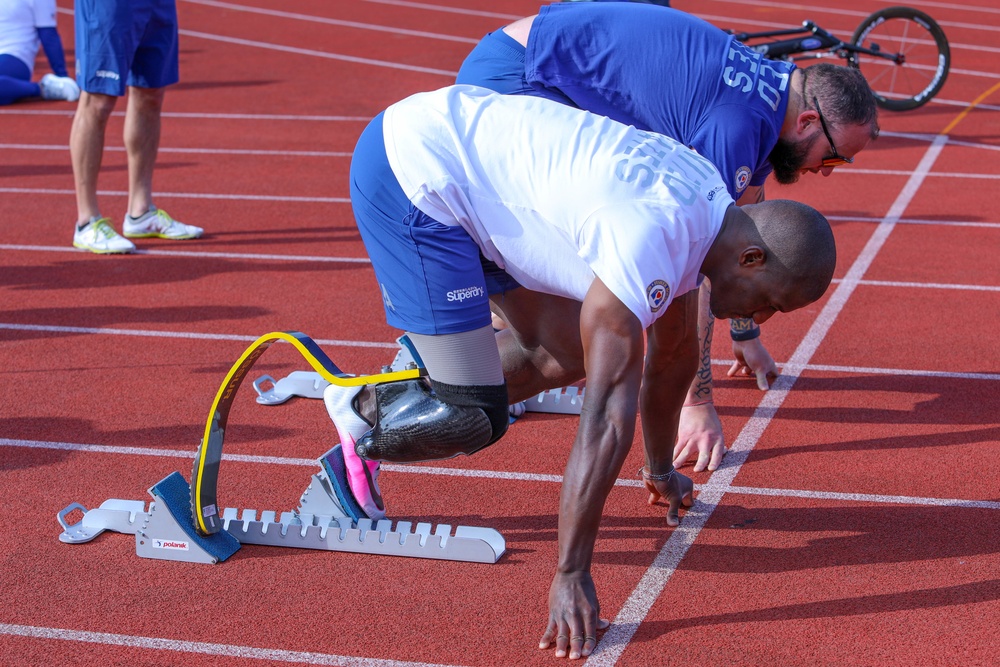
pixel 744 334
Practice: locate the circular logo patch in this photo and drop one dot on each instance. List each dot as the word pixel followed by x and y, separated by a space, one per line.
pixel 657 294
pixel 743 178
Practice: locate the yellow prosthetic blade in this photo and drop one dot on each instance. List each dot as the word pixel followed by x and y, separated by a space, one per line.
pixel 205 476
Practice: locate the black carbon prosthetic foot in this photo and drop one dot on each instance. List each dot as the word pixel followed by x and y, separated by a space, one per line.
pixel 412 424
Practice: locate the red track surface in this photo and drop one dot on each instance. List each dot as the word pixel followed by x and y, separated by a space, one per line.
pixel 854 522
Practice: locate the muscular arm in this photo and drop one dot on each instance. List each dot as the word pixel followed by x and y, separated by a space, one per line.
pixel 671 362
pixel 613 353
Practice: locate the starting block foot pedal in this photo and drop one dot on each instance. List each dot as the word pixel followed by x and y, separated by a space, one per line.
pixel 165 531
pixel 116 515
pixel 306 384
pixel 169 533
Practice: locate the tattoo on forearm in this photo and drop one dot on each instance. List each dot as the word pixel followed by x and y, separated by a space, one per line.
pixel 703 379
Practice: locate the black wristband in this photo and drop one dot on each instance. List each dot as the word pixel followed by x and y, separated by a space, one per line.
pixel 746 334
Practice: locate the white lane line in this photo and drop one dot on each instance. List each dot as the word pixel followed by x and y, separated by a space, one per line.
pixel 904 172
pixel 204 648
pixel 867 498
pixel 199 116
pixel 184 195
pixel 952 286
pixel 867 370
pixel 919 221
pixel 181 334
pixel 451 10
pixel 337 22
pixel 184 151
pixel 319 54
pixel 204 254
pixel 469 473
pixel 827 368
pixel 653 581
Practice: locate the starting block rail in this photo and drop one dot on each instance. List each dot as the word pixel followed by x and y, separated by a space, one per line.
pixel 318 523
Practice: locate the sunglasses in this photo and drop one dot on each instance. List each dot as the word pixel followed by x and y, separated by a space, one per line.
pixel 835 159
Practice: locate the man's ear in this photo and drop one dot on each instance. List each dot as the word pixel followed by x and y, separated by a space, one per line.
pixel 753 256
pixel 806 120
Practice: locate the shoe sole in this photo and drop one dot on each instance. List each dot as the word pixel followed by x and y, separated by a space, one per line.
pixel 336 472
pixel 102 252
pixel 161 236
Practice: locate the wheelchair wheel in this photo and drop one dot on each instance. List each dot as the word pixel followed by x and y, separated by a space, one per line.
pixel 923 46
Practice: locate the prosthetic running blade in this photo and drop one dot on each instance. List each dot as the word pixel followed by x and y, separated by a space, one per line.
pixel 208 457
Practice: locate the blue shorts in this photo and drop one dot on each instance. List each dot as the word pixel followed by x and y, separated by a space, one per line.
pixel 497 63
pixel 122 43
pixel 432 276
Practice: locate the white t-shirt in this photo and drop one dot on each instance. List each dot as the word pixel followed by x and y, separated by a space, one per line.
pixel 555 195
pixel 18 22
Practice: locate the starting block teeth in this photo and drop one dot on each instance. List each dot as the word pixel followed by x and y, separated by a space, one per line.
pixel 165 532
pixel 564 401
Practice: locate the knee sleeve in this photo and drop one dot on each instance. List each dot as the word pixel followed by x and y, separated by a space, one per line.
pixel 414 423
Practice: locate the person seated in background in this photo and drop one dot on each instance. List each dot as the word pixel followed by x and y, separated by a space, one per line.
pixel 26 25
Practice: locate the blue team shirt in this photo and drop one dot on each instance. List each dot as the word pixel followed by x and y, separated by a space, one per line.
pixel 666 71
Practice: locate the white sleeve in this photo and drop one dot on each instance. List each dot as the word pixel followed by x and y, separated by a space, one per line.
pixel 44 12
pixel 640 259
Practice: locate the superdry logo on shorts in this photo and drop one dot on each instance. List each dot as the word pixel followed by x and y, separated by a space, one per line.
pixel 657 294
pixel 107 74
pixel 461 295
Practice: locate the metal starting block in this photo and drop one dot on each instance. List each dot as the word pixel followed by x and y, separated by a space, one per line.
pixel 318 523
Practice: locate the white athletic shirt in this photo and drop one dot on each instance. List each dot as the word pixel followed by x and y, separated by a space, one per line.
pixel 18 22
pixel 556 195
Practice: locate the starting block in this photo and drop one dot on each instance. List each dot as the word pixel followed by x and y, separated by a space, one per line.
pixel 183 521
pixel 165 531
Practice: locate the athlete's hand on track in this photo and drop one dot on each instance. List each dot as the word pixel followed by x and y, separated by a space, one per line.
pixel 573 616
pixel 753 359
pixel 676 491
pixel 700 431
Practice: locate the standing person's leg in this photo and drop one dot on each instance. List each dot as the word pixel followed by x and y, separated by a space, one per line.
pixel 86 145
pixel 142 142
pixel 101 66
pixel 154 66
pixel 86 142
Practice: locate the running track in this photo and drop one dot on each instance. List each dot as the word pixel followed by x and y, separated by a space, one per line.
pixel 852 524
